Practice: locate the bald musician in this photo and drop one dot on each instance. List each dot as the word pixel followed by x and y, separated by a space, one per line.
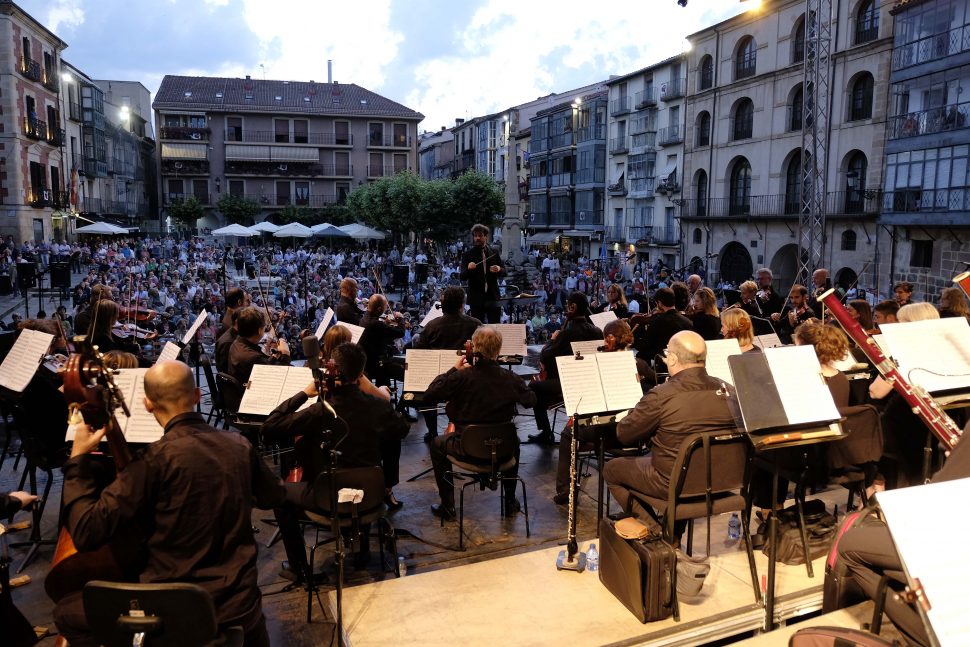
pixel 198 485
pixel 347 310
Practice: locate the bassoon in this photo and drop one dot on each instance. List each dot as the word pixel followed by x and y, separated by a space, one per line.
pixel 924 406
pixel 963 280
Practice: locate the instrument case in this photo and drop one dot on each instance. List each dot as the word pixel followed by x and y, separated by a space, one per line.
pixel 641 573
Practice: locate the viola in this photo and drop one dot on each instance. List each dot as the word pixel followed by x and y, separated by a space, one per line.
pixel 131 331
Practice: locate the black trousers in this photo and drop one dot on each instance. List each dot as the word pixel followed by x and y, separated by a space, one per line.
pixel 485 311
pixel 450 445
pixel 637 474
pixel 548 393
pixel 586 435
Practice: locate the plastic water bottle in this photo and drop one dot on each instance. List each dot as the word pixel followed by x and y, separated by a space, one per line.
pixel 402 567
pixel 592 558
pixel 734 527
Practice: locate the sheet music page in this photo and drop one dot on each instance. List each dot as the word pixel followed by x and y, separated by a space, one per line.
pixel 845 364
pixel 20 364
pixel 141 427
pixel 798 378
pixel 882 344
pixel 621 383
pixel 297 378
pixel 934 354
pixel 513 339
pixel 581 385
pixel 422 367
pixel 170 350
pixel 322 328
pixel 190 333
pixel 433 314
pixel 909 513
pixel 355 332
pixel 767 341
pixel 600 319
pixel 265 385
pixel 586 347
pixel 718 351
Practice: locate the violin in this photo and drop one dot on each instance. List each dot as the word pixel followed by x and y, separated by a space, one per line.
pixel 130 330
pixel 134 313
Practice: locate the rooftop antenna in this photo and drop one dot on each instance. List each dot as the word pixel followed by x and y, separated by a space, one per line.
pixel 329 70
pixel 263 68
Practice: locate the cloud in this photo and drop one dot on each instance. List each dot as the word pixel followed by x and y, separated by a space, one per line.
pixel 64 13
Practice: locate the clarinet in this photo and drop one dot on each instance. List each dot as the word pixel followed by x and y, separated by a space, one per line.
pixel 924 406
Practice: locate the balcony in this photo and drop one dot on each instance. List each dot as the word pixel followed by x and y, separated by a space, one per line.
pixel 558 180
pixel 590 133
pixel 313 201
pixel 175 198
pixel 185 167
pixel 620 106
pixel 55 136
pixel 617 189
pixel 94 167
pixel 374 170
pixel 918 206
pixel 30 68
pixel 586 218
pixel 931 48
pixel 35 128
pixel 849 204
pixel 561 219
pixel 538 219
pixel 670 136
pixel 271 137
pixel 539 183
pixel 673 89
pixel 39 196
pixel 51 82
pixel 646 98
pixel 619 145
pixel 925 122
pixel 337 170
pixel 650 235
pixel 388 141
pixel 643 142
pixel 615 233
pixel 590 176
pixel 643 125
pixel 562 140
pixel 538 145
pixel 275 169
pixel 644 185
pixel 74 111
pixel 183 133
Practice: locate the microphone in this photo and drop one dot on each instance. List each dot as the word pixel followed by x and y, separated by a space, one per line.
pixel 311 348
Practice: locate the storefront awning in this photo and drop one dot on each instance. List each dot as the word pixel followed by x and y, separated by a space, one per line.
pixel 576 233
pixel 184 151
pixel 543 237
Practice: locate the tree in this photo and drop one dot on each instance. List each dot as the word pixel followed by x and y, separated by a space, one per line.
pixel 477 198
pixel 238 210
pixel 186 212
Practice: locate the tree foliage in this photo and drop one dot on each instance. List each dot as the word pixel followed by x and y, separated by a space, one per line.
pixel 186 212
pixel 238 210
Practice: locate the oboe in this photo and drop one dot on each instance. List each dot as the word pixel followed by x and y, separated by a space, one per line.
pixel 924 406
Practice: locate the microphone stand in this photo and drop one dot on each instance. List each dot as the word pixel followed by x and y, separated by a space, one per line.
pixel 225 274
pixel 306 296
pixel 339 553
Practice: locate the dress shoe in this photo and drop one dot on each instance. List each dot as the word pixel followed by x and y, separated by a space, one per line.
pixel 561 498
pixel 542 438
pixel 392 502
pixel 446 512
pixel 512 506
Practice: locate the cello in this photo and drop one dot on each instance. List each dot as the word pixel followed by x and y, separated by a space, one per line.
pixel 93 395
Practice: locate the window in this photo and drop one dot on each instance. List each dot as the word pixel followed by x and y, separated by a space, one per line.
pixel 343 190
pixel 237 188
pixel 796 109
pixel 234 129
pixel 341 133
pixel 282 129
pixel 176 189
pixel 798 42
pixel 400 134
pixel 793 185
pixel 745 59
pixel 867 22
pixel 200 189
pixel 282 193
pixel 739 197
pixel 707 73
pixel 401 162
pixel 375 134
pixel 701 193
pixel 860 97
pixel 704 129
pixel 848 241
pixel 301 193
pixel 300 131
pixel 376 168
pixel 855 183
pixel 743 119
pixel 698 236
pixel 341 163
pixel 921 253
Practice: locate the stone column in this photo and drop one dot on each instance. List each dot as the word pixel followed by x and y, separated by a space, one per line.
pixel 512 221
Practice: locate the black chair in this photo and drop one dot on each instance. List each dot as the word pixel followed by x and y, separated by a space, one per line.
pixel 350 516
pixel 853 462
pixel 231 391
pixel 217 408
pixel 709 477
pixel 491 454
pixel 161 615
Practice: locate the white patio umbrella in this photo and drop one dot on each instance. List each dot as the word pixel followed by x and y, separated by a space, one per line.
pixel 265 226
pixel 105 228
pixel 327 230
pixel 361 232
pixel 293 230
pixel 235 229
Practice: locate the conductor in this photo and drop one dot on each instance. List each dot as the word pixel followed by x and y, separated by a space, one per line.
pixel 481 267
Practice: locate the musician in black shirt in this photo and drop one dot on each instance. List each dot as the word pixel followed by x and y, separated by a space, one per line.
pixel 244 353
pixel 481 266
pixel 347 310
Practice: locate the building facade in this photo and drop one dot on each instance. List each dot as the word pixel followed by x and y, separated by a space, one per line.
pixel 279 143
pixel 742 148
pixel 435 154
pixel 926 196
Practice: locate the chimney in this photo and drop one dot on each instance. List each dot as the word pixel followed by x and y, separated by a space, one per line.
pixel 459 121
pixel 329 70
pixel 247 77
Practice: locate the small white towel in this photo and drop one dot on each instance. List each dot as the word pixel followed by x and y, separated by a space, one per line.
pixel 349 495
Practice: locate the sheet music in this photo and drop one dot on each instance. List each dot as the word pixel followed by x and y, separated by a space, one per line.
pixel 581 385
pixel 433 314
pixel 600 319
pixel 586 347
pixel 909 513
pixel 263 393
pixel 847 363
pixel 190 333
pixel 355 332
pixel 618 373
pixel 513 339
pixel 21 362
pixel 934 354
pixel 798 378
pixel 170 350
pixel 882 344
pixel 322 328
pixel 718 351
pixel 423 366
pixel 141 427
pixel 297 378
pixel 767 341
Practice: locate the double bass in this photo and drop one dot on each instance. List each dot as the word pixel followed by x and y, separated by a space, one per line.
pixel 92 394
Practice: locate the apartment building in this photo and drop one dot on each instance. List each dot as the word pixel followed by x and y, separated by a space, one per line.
pixel 646 122
pixel 742 147
pixel 436 151
pixel 280 143
pixel 32 158
pixel 926 195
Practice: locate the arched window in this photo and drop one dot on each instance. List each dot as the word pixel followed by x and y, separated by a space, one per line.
pixel 798 42
pixel 793 184
pixel 701 193
pixel 739 197
pixel 745 59
pixel 848 241
pixel 707 73
pixel 698 236
pixel 796 109
pixel 860 97
pixel 743 119
pixel 855 183
pixel 867 22
pixel 704 129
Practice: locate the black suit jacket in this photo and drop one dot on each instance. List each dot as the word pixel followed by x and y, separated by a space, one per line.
pixel 659 331
pixel 574 330
pixel 448 332
pixel 482 282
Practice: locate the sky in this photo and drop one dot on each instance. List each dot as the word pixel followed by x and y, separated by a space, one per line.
pixel 460 58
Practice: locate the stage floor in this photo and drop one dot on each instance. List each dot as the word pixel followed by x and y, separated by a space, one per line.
pixel 524 600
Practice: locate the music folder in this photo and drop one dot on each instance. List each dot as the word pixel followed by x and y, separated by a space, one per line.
pixel 422 366
pixel 783 397
pixel 271 385
pixel 599 383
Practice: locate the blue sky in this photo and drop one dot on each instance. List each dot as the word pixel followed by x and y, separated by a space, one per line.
pixel 444 59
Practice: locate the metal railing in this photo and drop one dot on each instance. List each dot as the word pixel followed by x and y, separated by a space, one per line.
pixel 781 206
pixel 643 125
pixel 247 136
pixel 674 89
pixel 619 145
pixel 185 167
pixel 670 135
pixel 184 133
pixel 35 128
pixel 618 188
pixel 932 47
pixel 933 120
pixel 55 136
pixel 643 142
pixel 30 68
pixel 620 106
pixel 173 198
pixel 388 141
pixel 51 82
pixel 655 235
pixel 266 167
pixel 376 170
pixel 916 200
pixel 590 133
pixel 538 182
pixel 643 184
pixel 590 176
pixel 646 98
